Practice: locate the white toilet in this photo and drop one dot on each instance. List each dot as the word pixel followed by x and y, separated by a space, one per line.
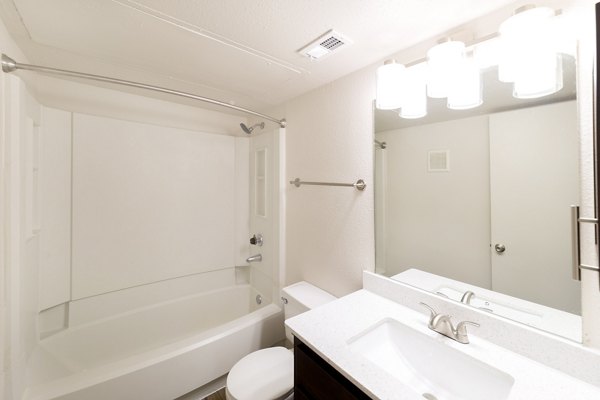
pixel 268 374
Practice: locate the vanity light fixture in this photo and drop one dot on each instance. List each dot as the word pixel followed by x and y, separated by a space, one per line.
pixel 541 76
pixel 415 92
pixel 390 80
pixel 529 58
pixel 465 89
pixel 486 54
pixel 523 49
pixel 444 60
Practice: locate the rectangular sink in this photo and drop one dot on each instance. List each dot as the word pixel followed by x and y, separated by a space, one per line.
pixel 428 365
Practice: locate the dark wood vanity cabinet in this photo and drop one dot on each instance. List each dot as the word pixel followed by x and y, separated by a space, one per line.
pixel 315 379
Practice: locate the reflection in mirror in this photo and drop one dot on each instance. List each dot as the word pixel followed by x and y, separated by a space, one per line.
pixel 478 200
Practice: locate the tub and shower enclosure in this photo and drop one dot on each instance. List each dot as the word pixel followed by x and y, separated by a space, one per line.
pixel 135 237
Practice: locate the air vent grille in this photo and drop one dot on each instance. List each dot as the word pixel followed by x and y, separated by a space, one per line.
pixel 331 43
pixel 438 161
pixel 325 45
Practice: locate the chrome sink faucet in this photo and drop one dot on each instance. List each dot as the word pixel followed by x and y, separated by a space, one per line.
pixel 466 298
pixel 441 323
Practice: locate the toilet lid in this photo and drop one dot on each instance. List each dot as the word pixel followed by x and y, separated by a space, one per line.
pixel 264 374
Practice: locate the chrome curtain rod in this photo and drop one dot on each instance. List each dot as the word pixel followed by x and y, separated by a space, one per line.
pixel 10 65
pixel 358 185
pixel 382 145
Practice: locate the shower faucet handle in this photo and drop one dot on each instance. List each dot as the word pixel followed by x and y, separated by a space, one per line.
pixel 256 239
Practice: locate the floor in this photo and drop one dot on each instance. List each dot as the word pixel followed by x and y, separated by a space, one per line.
pixel 219 383
pixel 219 395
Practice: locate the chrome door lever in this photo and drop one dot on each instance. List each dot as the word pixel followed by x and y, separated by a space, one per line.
pixel 254 258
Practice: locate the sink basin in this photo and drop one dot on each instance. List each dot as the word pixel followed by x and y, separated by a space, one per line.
pixel 428 365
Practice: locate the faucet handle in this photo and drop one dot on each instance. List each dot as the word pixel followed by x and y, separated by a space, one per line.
pixel 461 331
pixel 461 325
pixel 432 312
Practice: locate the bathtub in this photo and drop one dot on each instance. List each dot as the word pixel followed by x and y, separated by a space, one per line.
pixel 157 352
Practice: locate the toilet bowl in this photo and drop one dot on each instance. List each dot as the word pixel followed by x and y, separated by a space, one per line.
pixel 268 374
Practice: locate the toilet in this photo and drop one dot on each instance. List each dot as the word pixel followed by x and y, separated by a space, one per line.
pixel 268 374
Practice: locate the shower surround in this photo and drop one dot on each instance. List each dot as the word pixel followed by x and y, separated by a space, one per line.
pixel 134 239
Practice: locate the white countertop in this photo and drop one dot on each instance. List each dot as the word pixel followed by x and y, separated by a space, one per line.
pixel 328 329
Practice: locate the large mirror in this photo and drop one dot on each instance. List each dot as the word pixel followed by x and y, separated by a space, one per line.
pixel 474 205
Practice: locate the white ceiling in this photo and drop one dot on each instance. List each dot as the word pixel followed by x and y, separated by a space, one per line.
pixel 239 51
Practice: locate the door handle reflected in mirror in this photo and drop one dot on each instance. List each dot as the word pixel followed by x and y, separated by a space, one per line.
pixel 500 248
pixel 256 240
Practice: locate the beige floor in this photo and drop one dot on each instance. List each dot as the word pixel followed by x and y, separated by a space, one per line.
pixel 220 395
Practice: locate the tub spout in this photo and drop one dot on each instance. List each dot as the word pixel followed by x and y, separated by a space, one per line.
pixel 255 258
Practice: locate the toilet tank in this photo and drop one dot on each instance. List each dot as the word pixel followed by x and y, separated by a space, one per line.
pixel 301 297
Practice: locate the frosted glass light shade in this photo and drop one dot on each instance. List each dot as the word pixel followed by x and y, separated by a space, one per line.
pixel 487 53
pixel 443 60
pixel 541 76
pixel 390 78
pixel 527 22
pixel 415 92
pixel 465 88
pixel 526 43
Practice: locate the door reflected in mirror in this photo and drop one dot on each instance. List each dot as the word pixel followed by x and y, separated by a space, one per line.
pixel 481 199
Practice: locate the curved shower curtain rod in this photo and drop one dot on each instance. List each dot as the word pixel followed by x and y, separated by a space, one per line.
pixel 10 65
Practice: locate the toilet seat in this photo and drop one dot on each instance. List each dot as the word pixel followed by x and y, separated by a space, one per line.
pixel 264 374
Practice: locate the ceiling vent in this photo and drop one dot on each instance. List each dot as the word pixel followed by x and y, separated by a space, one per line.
pixel 325 45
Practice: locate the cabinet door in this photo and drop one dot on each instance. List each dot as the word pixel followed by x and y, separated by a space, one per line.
pixel 315 379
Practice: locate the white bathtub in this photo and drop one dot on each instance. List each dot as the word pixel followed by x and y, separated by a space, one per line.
pixel 159 352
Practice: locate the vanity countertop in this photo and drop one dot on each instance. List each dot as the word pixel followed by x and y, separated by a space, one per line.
pixel 328 330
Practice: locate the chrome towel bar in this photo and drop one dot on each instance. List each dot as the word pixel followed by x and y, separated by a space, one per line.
pixel 358 185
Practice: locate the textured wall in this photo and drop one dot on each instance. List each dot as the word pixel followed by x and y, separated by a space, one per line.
pixel 330 229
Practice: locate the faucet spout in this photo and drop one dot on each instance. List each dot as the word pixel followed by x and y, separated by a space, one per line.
pixel 466 298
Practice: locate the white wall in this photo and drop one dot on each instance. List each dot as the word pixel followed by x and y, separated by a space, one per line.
pixel 11 365
pixel 88 99
pixel 55 238
pixel 439 221
pixel 21 231
pixel 330 229
pixel 149 203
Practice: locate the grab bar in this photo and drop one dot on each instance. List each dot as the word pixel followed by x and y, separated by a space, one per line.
pixel 358 185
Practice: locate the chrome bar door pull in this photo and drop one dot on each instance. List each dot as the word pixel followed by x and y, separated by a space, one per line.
pixel 576 220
